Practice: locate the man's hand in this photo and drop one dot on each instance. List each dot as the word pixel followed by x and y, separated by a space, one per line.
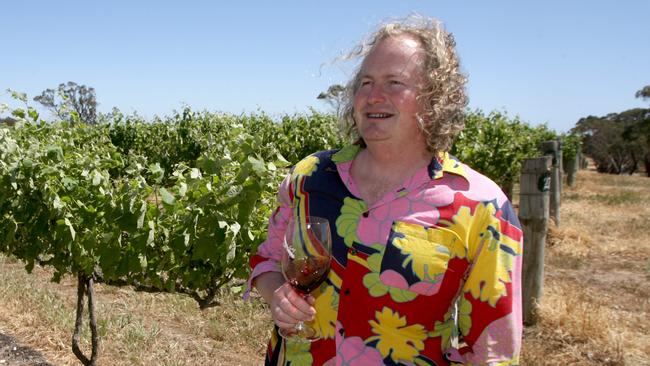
pixel 288 307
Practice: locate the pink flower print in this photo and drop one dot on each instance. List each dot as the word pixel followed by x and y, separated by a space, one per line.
pixel 379 213
pixel 353 352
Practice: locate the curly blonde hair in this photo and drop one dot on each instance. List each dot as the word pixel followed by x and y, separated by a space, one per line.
pixel 442 99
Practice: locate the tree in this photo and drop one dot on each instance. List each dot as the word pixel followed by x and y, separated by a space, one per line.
pixel 616 141
pixel 639 131
pixel 71 102
pixel 644 93
pixel 334 96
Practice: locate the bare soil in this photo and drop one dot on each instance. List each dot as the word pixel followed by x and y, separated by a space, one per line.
pixel 12 353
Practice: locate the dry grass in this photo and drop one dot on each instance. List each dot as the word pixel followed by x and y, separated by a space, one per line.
pixel 135 328
pixel 594 311
pixel 596 304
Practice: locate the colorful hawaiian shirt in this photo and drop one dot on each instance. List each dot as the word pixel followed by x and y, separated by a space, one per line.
pixel 428 275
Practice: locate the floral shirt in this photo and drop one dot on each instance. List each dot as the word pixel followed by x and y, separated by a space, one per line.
pixel 439 256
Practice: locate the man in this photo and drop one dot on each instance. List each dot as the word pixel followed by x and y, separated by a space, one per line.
pixel 416 234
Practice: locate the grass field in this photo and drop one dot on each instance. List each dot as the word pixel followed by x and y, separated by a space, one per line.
pixel 595 309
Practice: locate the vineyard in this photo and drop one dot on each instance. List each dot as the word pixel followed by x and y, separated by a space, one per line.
pixel 177 204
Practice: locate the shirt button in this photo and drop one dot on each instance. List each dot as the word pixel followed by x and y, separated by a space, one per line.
pixel 346 292
pixel 365 214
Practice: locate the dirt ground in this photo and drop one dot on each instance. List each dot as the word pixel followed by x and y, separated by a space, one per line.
pixel 12 353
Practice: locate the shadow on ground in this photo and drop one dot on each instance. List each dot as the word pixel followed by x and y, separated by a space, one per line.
pixel 14 354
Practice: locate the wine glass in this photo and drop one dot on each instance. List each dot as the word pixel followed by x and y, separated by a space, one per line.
pixel 305 264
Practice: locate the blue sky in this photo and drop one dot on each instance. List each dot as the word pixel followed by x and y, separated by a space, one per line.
pixel 545 61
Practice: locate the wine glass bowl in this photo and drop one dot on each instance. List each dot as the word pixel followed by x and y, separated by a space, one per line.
pixel 305 264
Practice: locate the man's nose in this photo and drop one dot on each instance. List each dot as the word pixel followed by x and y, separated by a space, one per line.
pixel 376 94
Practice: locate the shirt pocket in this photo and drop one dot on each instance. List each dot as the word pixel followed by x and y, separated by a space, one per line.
pixel 416 258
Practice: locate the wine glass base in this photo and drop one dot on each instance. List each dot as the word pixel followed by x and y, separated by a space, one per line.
pixel 304 335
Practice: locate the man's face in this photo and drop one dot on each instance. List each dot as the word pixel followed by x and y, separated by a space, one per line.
pixel 385 104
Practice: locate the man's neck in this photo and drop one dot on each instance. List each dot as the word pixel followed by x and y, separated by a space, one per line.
pixel 398 159
pixel 377 170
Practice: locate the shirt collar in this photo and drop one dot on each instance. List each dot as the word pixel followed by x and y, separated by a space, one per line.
pixel 440 164
pixel 445 163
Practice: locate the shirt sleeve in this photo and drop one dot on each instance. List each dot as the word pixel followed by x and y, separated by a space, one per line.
pixel 267 258
pixel 489 316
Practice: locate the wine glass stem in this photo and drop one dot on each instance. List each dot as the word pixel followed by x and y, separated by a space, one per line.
pixel 300 326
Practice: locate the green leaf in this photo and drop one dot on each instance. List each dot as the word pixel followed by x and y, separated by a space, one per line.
pixel 73 233
pixel 167 197
pixel 207 247
pixel 54 153
pixel 109 256
pixel 152 233
pixel 258 165
pixel 195 173
pixel 69 183
pixel 57 203
pixel 33 114
pixel 182 190
pixel 232 251
pixel 157 172
pixel 18 95
pixel 143 261
pixel 208 165
pixel 143 211
pixel 234 228
pixel 18 112
pixel 97 178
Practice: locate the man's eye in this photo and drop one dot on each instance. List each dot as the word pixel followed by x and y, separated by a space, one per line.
pixel 395 82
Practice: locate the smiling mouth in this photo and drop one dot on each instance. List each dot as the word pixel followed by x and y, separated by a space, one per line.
pixel 378 115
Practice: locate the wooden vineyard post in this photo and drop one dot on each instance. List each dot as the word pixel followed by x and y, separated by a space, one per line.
pixel 533 214
pixel 584 164
pixel 550 148
pixel 560 164
pixel 572 169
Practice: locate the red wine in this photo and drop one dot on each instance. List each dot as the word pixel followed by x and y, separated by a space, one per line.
pixel 305 274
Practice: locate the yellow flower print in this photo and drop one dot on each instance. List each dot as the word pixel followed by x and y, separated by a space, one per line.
pixel 428 250
pixel 306 166
pixel 327 303
pixel 497 251
pixel 464 226
pixel 452 166
pixel 491 272
pixel 348 221
pixel 395 338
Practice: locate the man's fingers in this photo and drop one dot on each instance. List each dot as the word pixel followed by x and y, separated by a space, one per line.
pixel 299 302
pixel 289 307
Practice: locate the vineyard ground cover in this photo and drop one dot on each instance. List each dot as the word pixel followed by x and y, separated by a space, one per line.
pixel 136 328
pixel 594 311
pixel 597 277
